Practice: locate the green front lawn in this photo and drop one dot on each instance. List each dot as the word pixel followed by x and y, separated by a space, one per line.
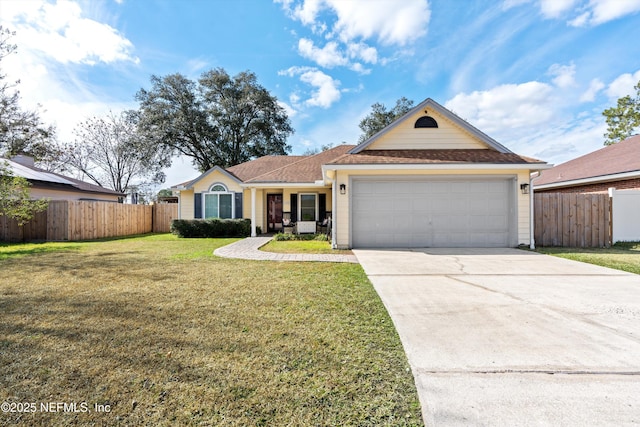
pixel 302 246
pixel 621 256
pixel 162 332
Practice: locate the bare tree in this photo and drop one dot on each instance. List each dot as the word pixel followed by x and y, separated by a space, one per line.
pixel 110 152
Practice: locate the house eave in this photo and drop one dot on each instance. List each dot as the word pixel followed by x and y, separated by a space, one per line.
pixel 213 169
pixel 282 184
pixel 590 180
pixel 438 166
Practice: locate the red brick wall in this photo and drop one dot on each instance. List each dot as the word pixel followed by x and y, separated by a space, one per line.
pixel 628 184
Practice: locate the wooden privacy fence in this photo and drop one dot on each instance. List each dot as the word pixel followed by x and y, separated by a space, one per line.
pixel 86 220
pixel 572 220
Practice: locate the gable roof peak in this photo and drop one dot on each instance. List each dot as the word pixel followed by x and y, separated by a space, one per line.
pixel 430 103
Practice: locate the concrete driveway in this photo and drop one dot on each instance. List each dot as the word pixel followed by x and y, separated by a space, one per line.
pixel 508 337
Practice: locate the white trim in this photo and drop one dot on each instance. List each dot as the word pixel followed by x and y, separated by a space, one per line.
pixel 427 167
pixel 283 184
pixel 596 179
pixel 218 193
pixel 334 205
pixel 316 214
pixel 213 169
pixel 253 212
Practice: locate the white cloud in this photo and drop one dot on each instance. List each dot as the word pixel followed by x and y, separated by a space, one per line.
pixel 595 86
pixel 325 89
pixel 59 31
pixel 329 56
pixel 555 8
pixel 505 107
pixel 586 12
pixel 53 39
pixel 623 85
pixel 291 112
pixel 601 11
pixel 389 21
pixel 364 52
pixel 563 75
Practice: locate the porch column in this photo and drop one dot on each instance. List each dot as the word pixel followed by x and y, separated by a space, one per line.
pixel 253 212
pixel 334 210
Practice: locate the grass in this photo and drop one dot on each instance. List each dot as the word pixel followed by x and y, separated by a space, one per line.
pixel 623 256
pixel 165 334
pixel 302 246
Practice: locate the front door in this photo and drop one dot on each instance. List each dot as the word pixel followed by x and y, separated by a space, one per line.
pixel 274 212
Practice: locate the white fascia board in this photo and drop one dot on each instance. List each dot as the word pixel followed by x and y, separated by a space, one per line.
pixel 213 169
pixel 591 180
pixel 282 184
pixel 456 166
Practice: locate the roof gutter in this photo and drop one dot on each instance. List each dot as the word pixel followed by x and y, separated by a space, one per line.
pixel 437 166
pixel 590 180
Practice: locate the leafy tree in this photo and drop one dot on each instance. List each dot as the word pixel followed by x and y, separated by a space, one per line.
pixel 380 117
pixel 14 197
pixel 165 192
pixel 217 121
pixel 21 131
pixel 110 152
pixel 323 147
pixel 623 120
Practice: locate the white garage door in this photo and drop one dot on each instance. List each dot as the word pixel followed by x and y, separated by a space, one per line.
pixel 450 212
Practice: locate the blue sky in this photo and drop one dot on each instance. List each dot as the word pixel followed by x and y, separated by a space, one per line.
pixel 533 74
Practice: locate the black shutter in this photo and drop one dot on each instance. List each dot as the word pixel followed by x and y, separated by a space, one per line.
pixel 294 208
pixel 322 206
pixel 197 205
pixel 238 197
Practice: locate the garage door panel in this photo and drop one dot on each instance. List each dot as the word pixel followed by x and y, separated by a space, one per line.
pixel 432 213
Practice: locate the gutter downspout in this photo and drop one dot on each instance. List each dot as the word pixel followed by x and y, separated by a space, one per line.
pixel 532 238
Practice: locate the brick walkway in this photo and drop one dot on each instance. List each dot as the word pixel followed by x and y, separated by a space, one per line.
pixel 249 249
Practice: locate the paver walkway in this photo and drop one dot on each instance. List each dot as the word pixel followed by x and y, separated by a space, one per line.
pixel 249 249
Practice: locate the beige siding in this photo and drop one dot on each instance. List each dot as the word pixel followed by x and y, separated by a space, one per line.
pixel 186 204
pixel 42 193
pixel 342 214
pixel 445 136
pixel 187 196
pixel 216 177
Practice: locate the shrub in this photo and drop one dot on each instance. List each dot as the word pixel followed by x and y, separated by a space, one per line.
pixel 214 227
pixel 290 236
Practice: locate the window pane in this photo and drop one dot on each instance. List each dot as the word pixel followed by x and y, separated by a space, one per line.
pixel 308 207
pixel 218 187
pixel 211 206
pixel 225 206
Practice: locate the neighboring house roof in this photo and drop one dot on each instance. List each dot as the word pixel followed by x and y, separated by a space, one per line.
pixel 616 161
pixel 430 103
pixel 42 177
pixel 431 157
